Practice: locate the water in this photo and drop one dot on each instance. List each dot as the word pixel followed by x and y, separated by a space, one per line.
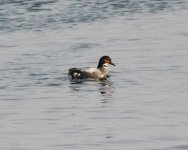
pixel 143 105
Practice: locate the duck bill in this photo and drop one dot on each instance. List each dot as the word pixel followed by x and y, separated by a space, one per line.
pixel 112 64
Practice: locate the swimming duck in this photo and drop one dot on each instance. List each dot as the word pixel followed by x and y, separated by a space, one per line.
pixel 99 73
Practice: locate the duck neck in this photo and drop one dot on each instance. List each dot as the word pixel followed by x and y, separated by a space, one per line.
pixel 100 64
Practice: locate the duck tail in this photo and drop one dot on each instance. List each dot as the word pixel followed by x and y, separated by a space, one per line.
pixel 74 73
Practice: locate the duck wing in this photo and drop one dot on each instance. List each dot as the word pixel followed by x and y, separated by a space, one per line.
pixel 82 73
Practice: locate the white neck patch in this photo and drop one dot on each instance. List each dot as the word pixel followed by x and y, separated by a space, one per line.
pixel 105 65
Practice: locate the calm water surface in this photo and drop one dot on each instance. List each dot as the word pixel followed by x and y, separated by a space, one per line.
pixel 143 105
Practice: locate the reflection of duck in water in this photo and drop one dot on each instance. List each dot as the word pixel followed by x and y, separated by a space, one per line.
pixel 106 88
pixel 99 73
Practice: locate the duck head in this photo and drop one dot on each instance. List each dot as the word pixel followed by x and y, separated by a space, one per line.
pixel 105 60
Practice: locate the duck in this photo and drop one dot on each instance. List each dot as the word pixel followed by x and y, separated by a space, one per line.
pixel 99 73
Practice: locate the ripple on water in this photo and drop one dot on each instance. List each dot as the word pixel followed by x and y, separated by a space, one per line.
pixel 178 147
pixel 53 14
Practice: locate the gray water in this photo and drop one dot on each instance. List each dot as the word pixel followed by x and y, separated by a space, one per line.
pixel 142 106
